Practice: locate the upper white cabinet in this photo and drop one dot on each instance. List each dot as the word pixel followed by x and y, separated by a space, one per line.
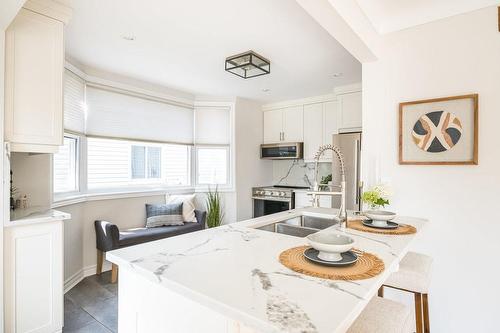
pixel 284 125
pixel 293 124
pixel 273 126
pixel 350 110
pixel 34 59
pixel 320 123
pixel 313 133
pixel 314 120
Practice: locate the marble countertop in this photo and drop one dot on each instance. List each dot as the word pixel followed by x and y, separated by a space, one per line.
pixel 234 269
pixel 33 215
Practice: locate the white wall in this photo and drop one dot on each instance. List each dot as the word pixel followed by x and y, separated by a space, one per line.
pixel 251 171
pixel 454 56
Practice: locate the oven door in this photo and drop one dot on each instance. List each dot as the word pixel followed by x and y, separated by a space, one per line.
pixel 266 206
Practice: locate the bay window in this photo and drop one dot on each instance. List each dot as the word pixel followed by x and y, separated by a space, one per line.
pixel 121 141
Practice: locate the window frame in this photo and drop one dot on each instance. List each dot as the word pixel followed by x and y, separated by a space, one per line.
pixel 203 187
pixel 77 156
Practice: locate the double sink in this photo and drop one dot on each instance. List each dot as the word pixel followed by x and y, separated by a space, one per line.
pixel 300 226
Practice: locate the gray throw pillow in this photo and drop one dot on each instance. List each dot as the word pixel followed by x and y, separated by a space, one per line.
pixel 163 214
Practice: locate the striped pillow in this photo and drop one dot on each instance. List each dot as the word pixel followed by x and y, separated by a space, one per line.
pixel 163 214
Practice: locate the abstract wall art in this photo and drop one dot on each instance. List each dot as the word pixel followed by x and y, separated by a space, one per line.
pixel 439 131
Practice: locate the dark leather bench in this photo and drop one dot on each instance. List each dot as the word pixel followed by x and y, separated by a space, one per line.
pixel 109 237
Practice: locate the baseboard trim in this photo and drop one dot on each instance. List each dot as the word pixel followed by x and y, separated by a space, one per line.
pixel 74 279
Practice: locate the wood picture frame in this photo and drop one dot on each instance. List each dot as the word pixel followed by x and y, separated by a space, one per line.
pixel 429 157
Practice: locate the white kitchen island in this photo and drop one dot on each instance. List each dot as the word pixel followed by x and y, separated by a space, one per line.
pixel 229 279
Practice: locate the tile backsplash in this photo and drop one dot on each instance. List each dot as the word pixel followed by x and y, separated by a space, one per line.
pixel 297 173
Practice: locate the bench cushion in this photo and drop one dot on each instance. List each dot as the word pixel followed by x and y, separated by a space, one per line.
pixel 141 235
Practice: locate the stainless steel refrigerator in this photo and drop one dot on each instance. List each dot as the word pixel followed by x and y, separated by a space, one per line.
pixel 350 146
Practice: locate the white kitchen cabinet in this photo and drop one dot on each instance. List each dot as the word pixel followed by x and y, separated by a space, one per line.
pixel 350 105
pixel 302 199
pixel 284 125
pixel 313 129
pixel 273 126
pixel 34 64
pixel 293 120
pixel 320 123
pixel 33 275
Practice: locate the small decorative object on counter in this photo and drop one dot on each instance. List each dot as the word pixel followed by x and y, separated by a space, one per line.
pixel 13 191
pixel 214 208
pixel 24 202
pixel 377 196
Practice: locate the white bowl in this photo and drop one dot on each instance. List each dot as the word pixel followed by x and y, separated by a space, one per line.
pixel 379 217
pixel 330 245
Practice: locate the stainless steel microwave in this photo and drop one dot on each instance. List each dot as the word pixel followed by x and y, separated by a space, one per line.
pixel 282 151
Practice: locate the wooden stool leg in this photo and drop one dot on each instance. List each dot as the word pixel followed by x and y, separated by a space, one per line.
pixel 381 291
pixel 100 260
pixel 426 314
pixel 114 273
pixel 418 312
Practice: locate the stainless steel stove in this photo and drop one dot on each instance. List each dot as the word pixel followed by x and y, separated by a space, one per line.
pixel 273 199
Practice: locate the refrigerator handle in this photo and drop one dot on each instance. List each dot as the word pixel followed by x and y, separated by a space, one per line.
pixel 357 152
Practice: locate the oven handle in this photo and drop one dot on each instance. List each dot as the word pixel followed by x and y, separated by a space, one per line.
pixel 272 199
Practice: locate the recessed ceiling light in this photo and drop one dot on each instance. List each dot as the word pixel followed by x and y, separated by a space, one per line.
pixel 128 37
pixel 338 74
pixel 266 90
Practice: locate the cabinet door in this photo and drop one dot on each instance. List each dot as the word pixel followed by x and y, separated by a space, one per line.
pixel 34 60
pixel 273 126
pixel 302 200
pixel 34 277
pixel 330 125
pixel 350 110
pixel 293 124
pixel 313 129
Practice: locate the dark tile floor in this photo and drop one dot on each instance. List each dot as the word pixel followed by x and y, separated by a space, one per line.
pixel 92 306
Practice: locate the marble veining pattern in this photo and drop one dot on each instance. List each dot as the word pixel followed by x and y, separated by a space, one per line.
pixel 281 311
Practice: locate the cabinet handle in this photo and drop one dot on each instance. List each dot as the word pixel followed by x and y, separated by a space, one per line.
pixel 283 136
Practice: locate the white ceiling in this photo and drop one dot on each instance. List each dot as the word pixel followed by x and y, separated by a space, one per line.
pixel 393 15
pixel 183 45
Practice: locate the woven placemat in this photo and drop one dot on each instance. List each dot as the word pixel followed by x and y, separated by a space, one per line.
pixel 367 266
pixel 403 229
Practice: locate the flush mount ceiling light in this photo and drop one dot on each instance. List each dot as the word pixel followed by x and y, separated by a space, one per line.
pixel 248 64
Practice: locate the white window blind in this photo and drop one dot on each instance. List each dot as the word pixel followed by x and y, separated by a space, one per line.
pixel 176 165
pixel 213 125
pixel 74 102
pixel 120 163
pixel 108 163
pixel 65 166
pixel 212 165
pixel 119 115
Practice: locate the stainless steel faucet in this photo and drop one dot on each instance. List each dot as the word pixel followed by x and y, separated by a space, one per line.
pixel 316 192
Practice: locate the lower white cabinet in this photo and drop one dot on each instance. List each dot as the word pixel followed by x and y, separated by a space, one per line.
pixel 33 277
pixel 302 199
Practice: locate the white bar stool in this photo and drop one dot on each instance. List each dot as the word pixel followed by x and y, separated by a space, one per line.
pixel 382 316
pixel 414 276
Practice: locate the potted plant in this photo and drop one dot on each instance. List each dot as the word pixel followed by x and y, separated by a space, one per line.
pixel 376 197
pixel 214 208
